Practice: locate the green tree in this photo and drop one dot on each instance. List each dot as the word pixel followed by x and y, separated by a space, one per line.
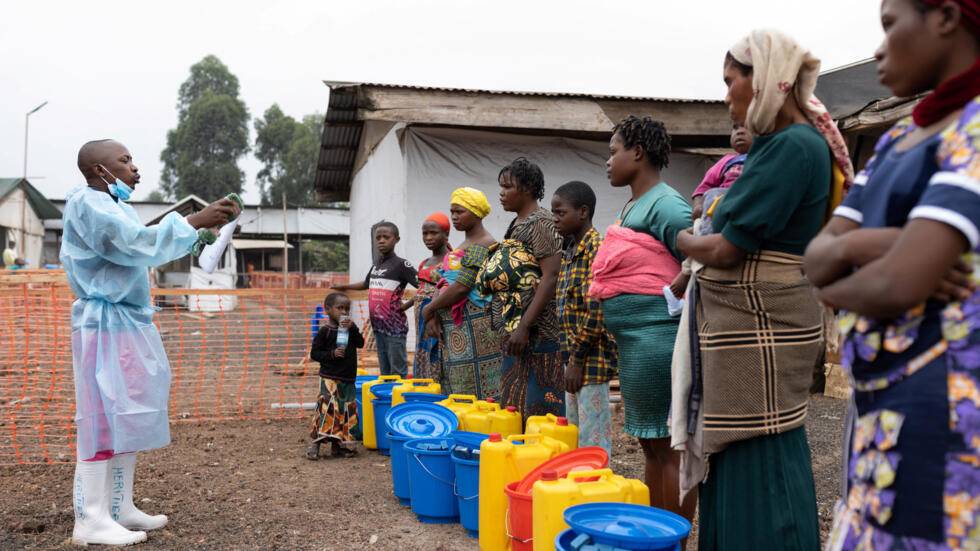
pixel 325 256
pixel 156 196
pixel 288 150
pixel 212 134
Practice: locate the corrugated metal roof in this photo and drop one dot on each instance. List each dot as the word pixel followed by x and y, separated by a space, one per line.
pixel 338 144
pixel 337 84
pixel 849 89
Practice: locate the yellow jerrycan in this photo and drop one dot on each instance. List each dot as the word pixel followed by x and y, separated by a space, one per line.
pixel 506 421
pixel 552 495
pixel 503 461
pixel 460 404
pixel 556 427
pixel 413 385
pixel 367 408
pixel 478 418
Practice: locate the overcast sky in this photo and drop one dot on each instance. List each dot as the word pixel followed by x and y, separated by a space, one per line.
pixel 112 69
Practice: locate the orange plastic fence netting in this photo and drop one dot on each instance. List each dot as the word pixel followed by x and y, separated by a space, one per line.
pixel 234 354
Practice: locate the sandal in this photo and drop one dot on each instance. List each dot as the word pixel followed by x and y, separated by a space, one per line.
pixel 313 452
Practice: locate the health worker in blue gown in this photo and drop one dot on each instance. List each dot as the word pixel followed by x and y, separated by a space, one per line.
pixel 122 376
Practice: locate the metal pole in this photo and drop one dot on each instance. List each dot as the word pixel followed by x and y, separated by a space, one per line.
pixel 285 246
pixel 299 241
pixel 27 122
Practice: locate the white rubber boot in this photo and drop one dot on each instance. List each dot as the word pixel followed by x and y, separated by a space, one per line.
pixel 122 470
pixel 93 524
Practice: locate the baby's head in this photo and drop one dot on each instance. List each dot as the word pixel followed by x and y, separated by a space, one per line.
pixel 741 139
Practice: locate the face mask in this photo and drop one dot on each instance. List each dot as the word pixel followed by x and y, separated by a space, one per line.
pixel 118 189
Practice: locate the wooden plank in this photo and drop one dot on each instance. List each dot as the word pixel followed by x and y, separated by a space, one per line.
pixel 697 119
pixel 574 114
pixel 21 277
pixel 483 110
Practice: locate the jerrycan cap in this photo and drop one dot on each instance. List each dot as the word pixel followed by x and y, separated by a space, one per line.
pixel 495 437
pixel 512 409
pixel 562 421
pixel 490 401
pixel 550 474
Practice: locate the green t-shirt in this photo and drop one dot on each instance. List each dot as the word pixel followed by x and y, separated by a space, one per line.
pixel 662 213
pixel 780 201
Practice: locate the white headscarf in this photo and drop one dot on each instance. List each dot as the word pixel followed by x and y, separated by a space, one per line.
pixel 781 66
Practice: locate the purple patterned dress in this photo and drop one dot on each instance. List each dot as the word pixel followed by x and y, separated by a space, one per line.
pixel 914 474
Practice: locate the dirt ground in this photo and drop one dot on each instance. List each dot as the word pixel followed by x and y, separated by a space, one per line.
pixel 246 485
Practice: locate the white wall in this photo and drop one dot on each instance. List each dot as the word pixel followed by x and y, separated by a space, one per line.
pixel 413 171
pixel 438 160
pixel 23 226
pixel 377 192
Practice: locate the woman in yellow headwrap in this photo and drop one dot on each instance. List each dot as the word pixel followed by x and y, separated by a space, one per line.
pixel 459 316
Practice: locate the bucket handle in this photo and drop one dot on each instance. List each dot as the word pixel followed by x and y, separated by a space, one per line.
pixel 432 474
pixel 461 496
pixel 507 528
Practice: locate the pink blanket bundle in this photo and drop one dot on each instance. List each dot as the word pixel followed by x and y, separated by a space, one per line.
pixel 631 263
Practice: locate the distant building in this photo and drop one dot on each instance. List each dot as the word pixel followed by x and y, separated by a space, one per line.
pixel 862 107
pixel 258 242
pixel 23 213
pixel 397 152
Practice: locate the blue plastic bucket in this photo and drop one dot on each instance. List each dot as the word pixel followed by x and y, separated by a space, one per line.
pixel 382 403
pixel 423 397
pixel 359 381
pixel 411 421
pixel 430 474
pixel 466 461
pixel 399 468
pixel 564 540
pixel 467 492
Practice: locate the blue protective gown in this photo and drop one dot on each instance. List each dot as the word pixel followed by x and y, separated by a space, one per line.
pixel 122 376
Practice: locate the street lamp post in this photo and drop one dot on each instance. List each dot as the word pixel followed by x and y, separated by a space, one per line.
pixel 27 122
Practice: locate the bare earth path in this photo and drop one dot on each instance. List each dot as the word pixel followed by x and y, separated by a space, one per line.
pixel 246 485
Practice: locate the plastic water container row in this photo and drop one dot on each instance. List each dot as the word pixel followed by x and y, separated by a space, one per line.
pixel 515 493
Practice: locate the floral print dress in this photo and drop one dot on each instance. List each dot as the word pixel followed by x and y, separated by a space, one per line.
pixel 914 472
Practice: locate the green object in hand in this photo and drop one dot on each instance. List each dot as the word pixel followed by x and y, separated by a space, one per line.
pixel 205 237
pixel 234 197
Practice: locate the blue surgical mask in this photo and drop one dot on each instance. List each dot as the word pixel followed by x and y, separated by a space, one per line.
pixel 118 189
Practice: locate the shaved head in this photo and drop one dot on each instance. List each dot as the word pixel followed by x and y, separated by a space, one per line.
pixel 98 152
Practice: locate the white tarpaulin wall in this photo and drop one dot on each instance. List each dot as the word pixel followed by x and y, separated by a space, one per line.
pixel 413 171
pixel 440 160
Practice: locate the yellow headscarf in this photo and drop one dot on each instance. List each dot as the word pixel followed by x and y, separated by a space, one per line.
pixel 472 200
